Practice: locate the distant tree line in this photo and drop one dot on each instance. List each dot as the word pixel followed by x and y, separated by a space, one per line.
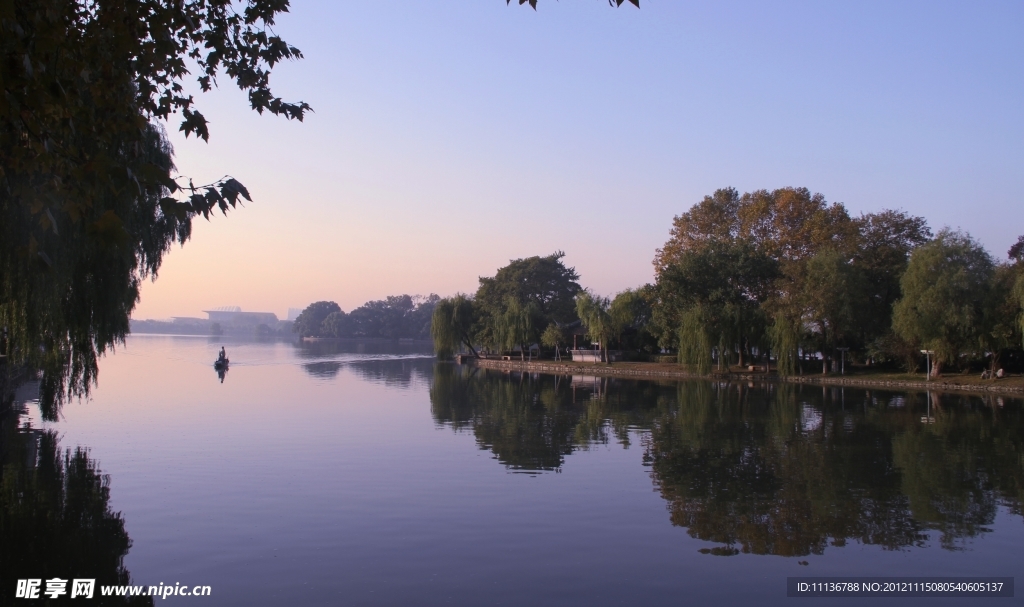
pixel 777 275
pixel 396 317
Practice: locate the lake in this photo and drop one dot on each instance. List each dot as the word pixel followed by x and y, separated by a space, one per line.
pixel 371 474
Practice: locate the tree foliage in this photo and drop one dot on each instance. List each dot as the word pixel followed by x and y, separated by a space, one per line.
pixel 724 284
pixel 543 281
pixel 788 224
pixel 884 244
pixel 780 269
pixel 1016 255
pixel 395 317
pixel 695 338
pixel 311 320
pixel 517 326
pixel 88 196
pixel 594 313
pixel 533 3
pixel 631 314
pixel 452 325
pixel 946 289
pixel 336 324
pixel 834 298
pixel 553 337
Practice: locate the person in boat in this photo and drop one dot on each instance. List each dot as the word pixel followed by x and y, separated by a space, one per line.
pixel 223 355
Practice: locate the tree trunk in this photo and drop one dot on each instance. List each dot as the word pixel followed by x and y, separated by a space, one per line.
pixel 470 346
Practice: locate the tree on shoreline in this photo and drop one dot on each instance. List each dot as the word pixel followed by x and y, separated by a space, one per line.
pixel 632 315
pixel 553 337
pixel 518 326
pixel 1016 255
pixel 946 289
pixel 781 270
pixel 395 317
pixel 835 298
pixel 593 311
pixel 88 196
pixel 543 281
pixel 711 297
pixel 451 325
pixel 310 321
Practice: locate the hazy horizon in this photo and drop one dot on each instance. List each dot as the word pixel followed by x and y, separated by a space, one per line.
pixel 447 140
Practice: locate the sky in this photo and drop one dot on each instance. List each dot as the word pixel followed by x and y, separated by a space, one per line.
pixel 450 138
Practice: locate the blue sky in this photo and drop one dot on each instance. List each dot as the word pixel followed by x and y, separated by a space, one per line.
pixel 451 137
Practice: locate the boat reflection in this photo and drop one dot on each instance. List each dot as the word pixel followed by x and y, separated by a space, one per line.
pixel 777 469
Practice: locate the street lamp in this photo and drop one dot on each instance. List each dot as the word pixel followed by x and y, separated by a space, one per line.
pixel 842 366
pixel 928 364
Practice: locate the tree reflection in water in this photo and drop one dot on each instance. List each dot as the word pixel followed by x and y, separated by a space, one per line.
pixel 55 517
pixel 777 469
pixel 394 364
pixel 531 422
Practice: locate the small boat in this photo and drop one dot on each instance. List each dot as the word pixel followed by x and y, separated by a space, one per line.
pixel 221 363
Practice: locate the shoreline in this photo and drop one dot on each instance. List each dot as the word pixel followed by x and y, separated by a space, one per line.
pixel 662 371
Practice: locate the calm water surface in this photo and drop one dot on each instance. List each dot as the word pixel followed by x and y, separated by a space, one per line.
pixel 346 474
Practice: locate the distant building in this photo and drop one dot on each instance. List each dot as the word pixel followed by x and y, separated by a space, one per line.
pixel 234 316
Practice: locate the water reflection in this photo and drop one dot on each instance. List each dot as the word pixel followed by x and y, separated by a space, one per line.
pixel 394 364
pixel 766 469
pixel 396 373
pixel 55 516
pixel 329 348
pixel 532 422
pixel 327 369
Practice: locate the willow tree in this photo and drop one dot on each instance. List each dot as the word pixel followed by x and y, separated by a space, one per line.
pixel 784 333
pixel 89 200
pixel 451 325
pixel 1018 294
pixel 945 292
pixel 695 339
pixel 1016 255
pixel 632 317
pixel 553 337
pixel 722 283
pixel 593 311
pixel 517 326
pixel 545 282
